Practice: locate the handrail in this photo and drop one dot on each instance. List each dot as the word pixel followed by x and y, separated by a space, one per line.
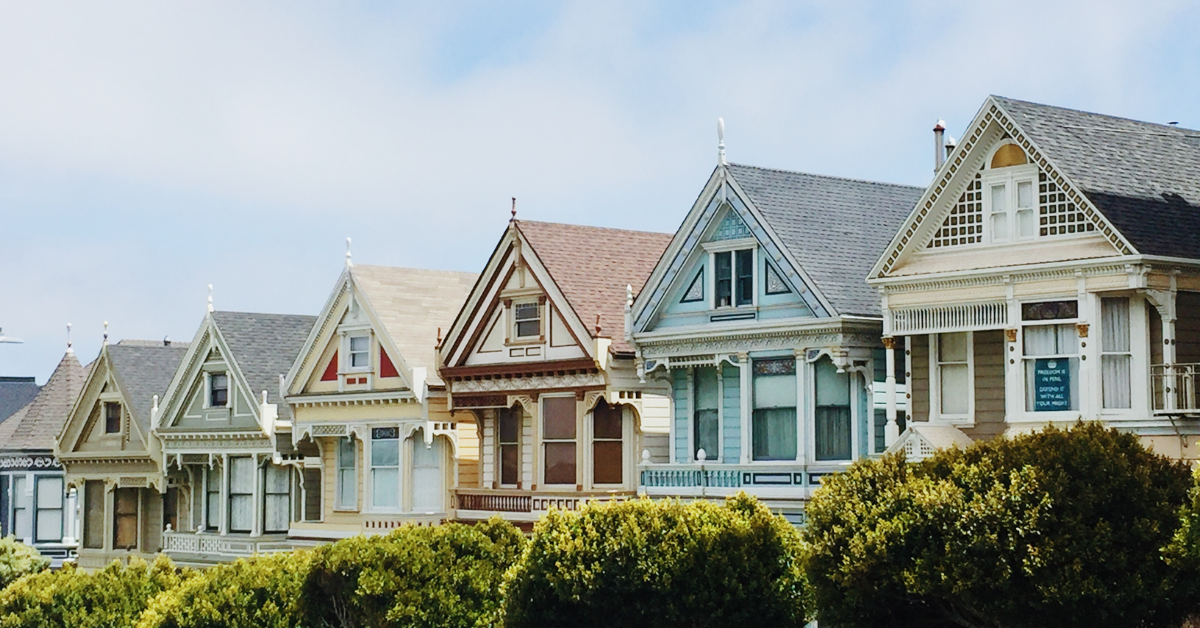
pixel 1174 388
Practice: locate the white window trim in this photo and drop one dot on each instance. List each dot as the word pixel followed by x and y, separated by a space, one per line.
pixel 732 247
pixel 339 503
pixel 541 431
pixel 542 320
pixel 708 455
pixel 348 336
pixel 1137 364
pixel 1020 412
pixel 626 450
pixel 808 455
pixel 935 384
pixel 368 472
pixel 748 433
pixel 1010 176
pixel 208 389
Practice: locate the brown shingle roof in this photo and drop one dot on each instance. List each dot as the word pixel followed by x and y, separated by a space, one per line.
pixel 44 417
pixel 592 266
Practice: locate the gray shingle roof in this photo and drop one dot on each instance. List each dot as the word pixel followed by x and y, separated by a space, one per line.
pixel 36 426
pixel 264 347
pixel 835 228
pixel 1144 177
pixel 16 393
pixel 144 369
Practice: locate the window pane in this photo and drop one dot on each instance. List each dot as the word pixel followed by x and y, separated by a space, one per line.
pixel 347 489
pixel 833 388
pixel 385 488
pixel 241 474
pixel 774 391
pixel 833 433
pixel 112 418
pixel 241 513
pixel 528 317
pixel 705 385
pixel 425 456
pixel 125 518
pixel 952 347
pixel 999 212
pixel 359 343
pixel 509 465
pixel 559 415
pixel 93 514
pixel 724 279
pixel 213 503
pixel 346 451
pixel 1049 310
pixel 1115 375
pixel 707 434
pixel 385 453
pixel 49 492
pixel 955 388
pixel 1024 194
pixel 427 476
pixel 560 463
pixel 606 462
pixel 745 277
pixel 774 434
pixel 510 425
pixel 22 512
pixel 1026 223
pixel 275 515
pixel 1114 324
pixel 606 421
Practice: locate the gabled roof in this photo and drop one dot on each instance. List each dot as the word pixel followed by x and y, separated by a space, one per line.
pixel 1144 177
pixel 143 368
pixel 412 304
pixel 592 267
pixel 36 426
pixel 263 347
pixel 834 228
pixel 16 393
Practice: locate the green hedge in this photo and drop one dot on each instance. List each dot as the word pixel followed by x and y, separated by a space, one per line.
pixel 18 559
pixel 263 591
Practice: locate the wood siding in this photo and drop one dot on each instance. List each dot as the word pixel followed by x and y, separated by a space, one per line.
pixel 919 382
pixel 989 385
pixel 468 453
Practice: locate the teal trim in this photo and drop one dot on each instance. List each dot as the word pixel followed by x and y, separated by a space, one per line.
pixel 731 228
pixel 679 385
pixel 731 449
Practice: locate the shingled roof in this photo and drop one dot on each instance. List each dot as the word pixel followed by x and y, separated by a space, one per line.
pixel 593 265
pixel 834 228
pixel 412 304
pixel 144 368
pixel 36 426
pixel 263 346
pixel 16 393
pixel 1144 177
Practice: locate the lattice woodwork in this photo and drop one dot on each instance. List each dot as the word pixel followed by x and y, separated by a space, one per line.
pixel 1057 215
pixel 964 225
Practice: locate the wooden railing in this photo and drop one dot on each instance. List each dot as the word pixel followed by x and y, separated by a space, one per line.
pixel 494 501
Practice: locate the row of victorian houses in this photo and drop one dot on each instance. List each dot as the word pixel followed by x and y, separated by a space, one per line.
pixel 793 324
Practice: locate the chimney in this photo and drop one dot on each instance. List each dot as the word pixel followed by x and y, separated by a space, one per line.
pixel 950 144
pixel 939 157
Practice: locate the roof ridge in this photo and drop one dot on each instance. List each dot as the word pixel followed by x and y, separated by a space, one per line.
pixel 421 270
pixel 568 224
pixel 1168 127
pixel 832 177
pixel 259 313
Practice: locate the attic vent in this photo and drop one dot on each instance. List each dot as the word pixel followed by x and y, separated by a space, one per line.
pixel 731 228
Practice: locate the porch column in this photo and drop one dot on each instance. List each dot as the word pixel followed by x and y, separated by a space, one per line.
pixel 746 406
pixel 1170 385
pixel 892 430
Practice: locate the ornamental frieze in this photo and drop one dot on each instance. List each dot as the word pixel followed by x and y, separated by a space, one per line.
pixel 651 350
pixel 29 463
pixel 539 382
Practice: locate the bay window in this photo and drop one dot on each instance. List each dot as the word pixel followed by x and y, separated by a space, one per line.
pixel 1116 354
pixel 241 493
pixel 607 446
pixel 385 467
pixel 558 435
pixel 706 429
pixel 276 499
pixel 49 508
pixel 1051 356
pixel 774 420
pixel 125 518
pixel 833 439
pixel 510 446
pixel 347 475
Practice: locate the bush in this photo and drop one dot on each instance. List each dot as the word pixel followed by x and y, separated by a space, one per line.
pixel 444 576
pixel 259 592
pixel 18 559
pixel 112 597
pixel 1059 528
pixel 660 563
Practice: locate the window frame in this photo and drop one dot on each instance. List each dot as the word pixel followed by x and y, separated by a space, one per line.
pixel 117 515
pixel 574 441
pixel 1077 376
pixel 853 388
pixel 593 439
pixel 732 248
pixel 1129 353
pixel 795 407
pixel 212 390
pixel 16 506
pixel 536 305
pixel 398 467
pixel 935 381
pixel 267 494
pixel 351 352
pixel 518 415
pixel 231 494
pixel 1011 177
pixel 109 406
pixel 38 509
pixel 95 496
pixel 693 423
pixel 212 516
pixel 343 502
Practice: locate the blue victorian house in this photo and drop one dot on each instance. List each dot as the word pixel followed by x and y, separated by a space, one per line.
pixel 759 318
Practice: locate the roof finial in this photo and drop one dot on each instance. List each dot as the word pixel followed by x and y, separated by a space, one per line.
pixel 628 296
pixel 210 305
pixel 69 349
pixel 597 324
pixel 514 210
pixel 721 142
pixel 105 332
pixel 439 340
pixel 349 262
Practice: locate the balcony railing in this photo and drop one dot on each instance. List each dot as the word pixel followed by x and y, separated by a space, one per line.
pixel 507 501
pixel 714 479
pixel 1174 388
pixel 528 504
pixel 220 548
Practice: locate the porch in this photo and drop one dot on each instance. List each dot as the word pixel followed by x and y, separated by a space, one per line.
pixel 525 505
pixel 203 549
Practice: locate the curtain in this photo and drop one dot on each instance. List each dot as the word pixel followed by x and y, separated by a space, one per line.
pixel 833 419
pixel 707 397
pixel 347 478
pixel 427 475
pixel 49 508
pixel 1114 346
pixel 276 499
pixel 385 473
pixel 241 494
pixel 773 424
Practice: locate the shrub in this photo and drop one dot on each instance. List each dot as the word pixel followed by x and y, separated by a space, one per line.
pixel 1059 528
pixel 112 597
pixel 443 576
pixel 259 592
pixel 660 563
pixel 18 559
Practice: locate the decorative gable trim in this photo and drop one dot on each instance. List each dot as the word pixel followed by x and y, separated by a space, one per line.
pixel 915 233
pixel 208 339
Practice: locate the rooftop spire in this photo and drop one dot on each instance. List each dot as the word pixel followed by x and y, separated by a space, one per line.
pixel 514 210
pixel 105 332
pixel 349 262
pixel 210 305
pixel 721 142
pixel 69 349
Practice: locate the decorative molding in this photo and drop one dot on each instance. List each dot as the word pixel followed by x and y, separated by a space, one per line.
pixel 538 382
pixel 527 403
pixel 706 348
pixel 29 463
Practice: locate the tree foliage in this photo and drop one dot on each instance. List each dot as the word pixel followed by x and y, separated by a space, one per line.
pixel 1057 528
pixel 18 559
pixel 660 563
pixel 259 592
pixel 447 576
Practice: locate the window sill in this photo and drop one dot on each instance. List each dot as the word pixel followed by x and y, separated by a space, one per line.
pixel 524 342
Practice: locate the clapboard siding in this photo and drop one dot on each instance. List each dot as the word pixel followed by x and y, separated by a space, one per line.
pixel 919 383
pixel 989 385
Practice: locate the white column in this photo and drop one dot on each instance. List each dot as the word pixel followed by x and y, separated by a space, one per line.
pixel 746 394
pixel 1170 387
pixel 223 524
pixel 892 429
pixel 803 403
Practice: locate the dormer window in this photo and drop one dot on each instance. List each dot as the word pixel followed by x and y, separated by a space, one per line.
pixel 112 418
pixel 1010 203
pixel 218 390
pixel 734 278
pixel 360 352
pixel 528 320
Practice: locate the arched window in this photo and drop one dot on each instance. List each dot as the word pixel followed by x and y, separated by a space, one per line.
pixel 1009 155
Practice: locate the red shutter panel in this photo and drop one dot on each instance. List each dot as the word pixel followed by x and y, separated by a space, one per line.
pixel 330 374
pixel 386 368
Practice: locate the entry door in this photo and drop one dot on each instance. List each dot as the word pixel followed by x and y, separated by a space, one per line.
pixel 427 475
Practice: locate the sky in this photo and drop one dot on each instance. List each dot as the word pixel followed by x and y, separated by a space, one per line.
pixel 148 149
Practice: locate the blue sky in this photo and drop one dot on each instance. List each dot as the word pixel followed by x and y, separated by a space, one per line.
pixel 149 149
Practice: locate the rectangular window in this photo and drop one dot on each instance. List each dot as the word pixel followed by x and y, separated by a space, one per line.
pixel 706 396
pixel 385 467
pixel 93 514
pixel 347 475
pixel 1051 367
pixel 241 494
pixel 1012 209
pixel 428 495
pixel 999 212
pixel 745 276
pixel 833 438
pixel 22 514
pixel 558 435
pixel 510 446
pixel 125 519
pixel 218 387
pixel 954 381
pixel 724 277
pixel 607 459
pixel 276 498
pixel 1026 221
pixel 49 508
pixel 528 317
pixel 1115 353
pixel 774 420
pixel 360 352
pixel 112 418
pixel 212 488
